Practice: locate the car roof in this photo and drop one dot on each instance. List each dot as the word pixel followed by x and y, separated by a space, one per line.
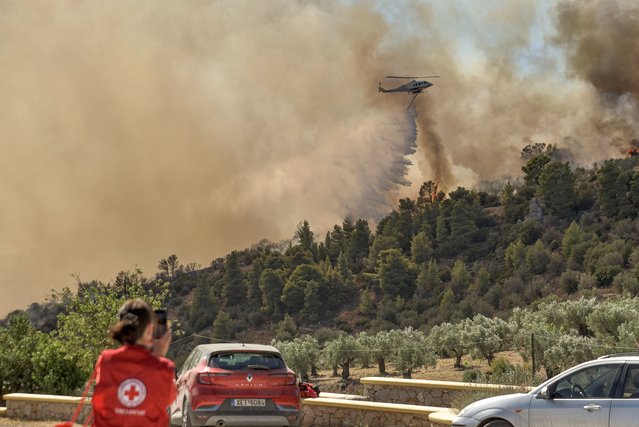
pixel 221 347
pixel 621 356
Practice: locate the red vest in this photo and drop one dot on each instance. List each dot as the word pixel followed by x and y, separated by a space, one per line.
pixel 133 388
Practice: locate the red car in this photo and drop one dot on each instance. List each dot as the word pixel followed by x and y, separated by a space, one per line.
pixel 236 385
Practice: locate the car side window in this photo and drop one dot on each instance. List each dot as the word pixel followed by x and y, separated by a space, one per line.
pixel 196 359
pixel 188 363
pixel 184 365
pixel 631 383
pixel 593 381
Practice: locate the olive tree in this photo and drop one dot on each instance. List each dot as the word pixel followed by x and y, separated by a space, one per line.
pixel 531 329
pixel 342 351
pixel 445 339
pixel 411 351
pixel 571 350
pixel 376 348
pixel 484 336
pixel 301 354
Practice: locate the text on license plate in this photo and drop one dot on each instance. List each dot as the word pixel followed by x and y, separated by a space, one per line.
pixel 249 402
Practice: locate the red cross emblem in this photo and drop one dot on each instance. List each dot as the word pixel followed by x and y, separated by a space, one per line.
pixel 131 392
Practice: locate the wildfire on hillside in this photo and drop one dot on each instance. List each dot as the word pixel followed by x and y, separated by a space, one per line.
pixel 633 150
pixel 433 195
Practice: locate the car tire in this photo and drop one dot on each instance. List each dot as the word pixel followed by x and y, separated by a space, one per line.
pixel 186 419
pixel 498 423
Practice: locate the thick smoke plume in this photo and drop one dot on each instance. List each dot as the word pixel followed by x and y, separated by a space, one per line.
pixel 133 130
pixel 600 38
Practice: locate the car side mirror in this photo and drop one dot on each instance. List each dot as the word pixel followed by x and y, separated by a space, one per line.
pixel 544 393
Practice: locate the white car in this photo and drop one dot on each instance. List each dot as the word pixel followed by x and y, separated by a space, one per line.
pixel 599 393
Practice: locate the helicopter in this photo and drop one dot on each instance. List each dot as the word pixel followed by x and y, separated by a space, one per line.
pixel 414 86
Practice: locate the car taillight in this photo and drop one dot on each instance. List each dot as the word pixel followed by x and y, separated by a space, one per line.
pixel 289 379
pixel 209 377
pixel 204 379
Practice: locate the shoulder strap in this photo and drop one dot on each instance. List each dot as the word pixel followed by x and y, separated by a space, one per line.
pixel 81 403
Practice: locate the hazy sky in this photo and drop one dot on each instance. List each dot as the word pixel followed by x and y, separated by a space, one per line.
pixel 134 130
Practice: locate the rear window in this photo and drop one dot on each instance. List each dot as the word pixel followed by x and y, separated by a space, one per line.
pixel 233 361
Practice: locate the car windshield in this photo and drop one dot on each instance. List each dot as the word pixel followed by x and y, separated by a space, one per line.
pixel 233 361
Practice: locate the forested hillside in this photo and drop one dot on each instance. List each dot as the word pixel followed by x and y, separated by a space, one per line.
pixel 558 233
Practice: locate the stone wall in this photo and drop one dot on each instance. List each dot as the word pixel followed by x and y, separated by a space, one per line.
pixel 410 395
pixel 338 412
pixel 324 416
pixel 424 392
pixel 44 407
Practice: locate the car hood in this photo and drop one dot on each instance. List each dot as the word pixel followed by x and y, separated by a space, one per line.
pixel 505 402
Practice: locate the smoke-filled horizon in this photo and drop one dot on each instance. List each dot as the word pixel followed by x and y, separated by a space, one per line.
pixel 131 131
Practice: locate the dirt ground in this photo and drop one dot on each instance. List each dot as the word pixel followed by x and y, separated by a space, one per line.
pixel 443 372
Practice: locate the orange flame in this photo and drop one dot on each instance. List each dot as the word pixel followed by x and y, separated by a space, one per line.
pixel 433 195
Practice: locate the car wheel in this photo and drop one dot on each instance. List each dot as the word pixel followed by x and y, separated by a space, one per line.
pixel 498 423
pixel 186 420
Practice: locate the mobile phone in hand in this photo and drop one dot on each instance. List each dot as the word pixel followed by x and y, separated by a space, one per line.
pixel 159 328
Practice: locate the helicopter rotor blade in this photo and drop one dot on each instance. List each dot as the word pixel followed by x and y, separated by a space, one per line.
pixel 412 77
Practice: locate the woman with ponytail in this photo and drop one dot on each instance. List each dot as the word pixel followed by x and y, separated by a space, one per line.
pixel 135 383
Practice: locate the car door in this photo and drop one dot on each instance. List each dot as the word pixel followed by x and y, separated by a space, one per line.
pixel 625 405
pixel 176 406
pixel 581 398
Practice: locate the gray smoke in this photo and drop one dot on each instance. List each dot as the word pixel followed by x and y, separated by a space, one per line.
pixel 133 130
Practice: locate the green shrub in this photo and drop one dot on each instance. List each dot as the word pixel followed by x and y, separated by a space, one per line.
pixel 474 376
pixel 569 281
pixel 500 366
pixel 606 274
pixel 627 282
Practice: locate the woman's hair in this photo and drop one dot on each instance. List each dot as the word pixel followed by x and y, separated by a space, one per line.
pixel 134 317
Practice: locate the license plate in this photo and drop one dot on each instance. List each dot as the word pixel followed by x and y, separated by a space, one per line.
pixel 249 402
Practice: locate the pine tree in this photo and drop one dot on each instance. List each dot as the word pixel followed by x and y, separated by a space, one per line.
pixel 360 242
pixel 428 282
pixel 459 279
pixel 514 205
pixel 311 309
pixel 396 274
pixel 305 236
pixel 557 189
pixel 203 308
pixel 533 169
pixel 254 294
pixel 293 293
pixel 482 281
pixel 421 248
pixel 404 225
pixel 610 189
pixel 286 330
pixel 271 286
pixel 222 326
pixel 234 289
pixel 343 268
